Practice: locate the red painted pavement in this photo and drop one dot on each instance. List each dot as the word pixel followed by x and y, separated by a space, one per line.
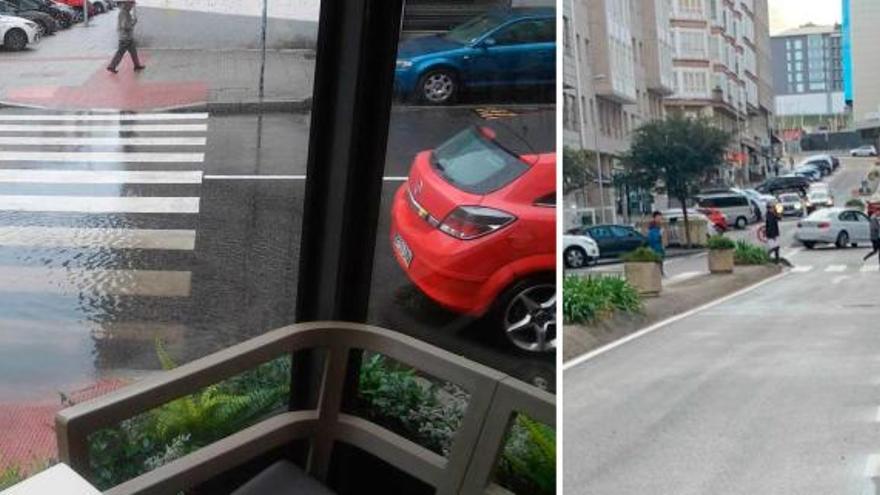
pixel 27 430
pixel 127 90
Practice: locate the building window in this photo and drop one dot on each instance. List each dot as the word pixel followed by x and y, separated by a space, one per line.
pixel 566 27
pixel 800 87
pixel 691 44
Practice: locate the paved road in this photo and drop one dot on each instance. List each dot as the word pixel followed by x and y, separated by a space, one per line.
pixel 771 392
pixel 113 234
pixel 842 184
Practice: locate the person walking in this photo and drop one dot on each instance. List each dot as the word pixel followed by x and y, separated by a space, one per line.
pixel 771 231
pixel 655 237
pixel 875 236
pixel 125 28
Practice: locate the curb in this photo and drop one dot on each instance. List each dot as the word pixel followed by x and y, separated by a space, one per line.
pixel 222 108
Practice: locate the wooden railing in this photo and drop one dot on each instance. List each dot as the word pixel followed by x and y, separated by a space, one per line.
pixel 494 400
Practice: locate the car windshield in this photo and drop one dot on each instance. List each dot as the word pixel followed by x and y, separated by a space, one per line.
pixel 789 198
pixel 476 164
pixel 468 32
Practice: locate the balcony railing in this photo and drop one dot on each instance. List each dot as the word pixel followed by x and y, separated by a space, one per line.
pixel 494 400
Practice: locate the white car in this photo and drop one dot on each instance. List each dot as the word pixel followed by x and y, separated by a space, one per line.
pixel 17 33
pixel 839 226
pixel 579 251
pixel 867 150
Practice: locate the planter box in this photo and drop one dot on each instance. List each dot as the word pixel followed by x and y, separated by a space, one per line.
pixel 645 277
pixel 721 260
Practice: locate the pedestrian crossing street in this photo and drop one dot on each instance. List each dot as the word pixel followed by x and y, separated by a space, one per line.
pixel 91 205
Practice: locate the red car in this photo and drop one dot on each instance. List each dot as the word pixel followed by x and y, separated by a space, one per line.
pixel 716 217
pixel 474 227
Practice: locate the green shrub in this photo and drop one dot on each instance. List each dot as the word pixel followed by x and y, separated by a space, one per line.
pixel 856 204
pixel 720 242
pixel 642 255
pixel 585 300
pixel 9 476
pixel 528 462
pixel 874 174
pixel 749 254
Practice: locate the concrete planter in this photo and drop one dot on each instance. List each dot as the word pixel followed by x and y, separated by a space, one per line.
pixel 721 260
pixel 645 277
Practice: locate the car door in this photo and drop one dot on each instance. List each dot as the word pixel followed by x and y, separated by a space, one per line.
pixel 605 240
pixel 850 222
pixel 863 229
pixel 627 239
pixel 517 53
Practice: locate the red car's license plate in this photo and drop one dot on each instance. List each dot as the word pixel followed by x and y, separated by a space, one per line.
pixel 403 250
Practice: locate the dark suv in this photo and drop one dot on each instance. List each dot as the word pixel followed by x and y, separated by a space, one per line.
pixel 787 183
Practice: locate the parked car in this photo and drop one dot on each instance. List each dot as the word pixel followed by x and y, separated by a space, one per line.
pixel 810 172
pixel 736 207
pixel 78 5
pixel 474 229
pixel 17 33
pixel 759 201
pixel 787 183
pixel 44 21
pixel 674 216
pixel 839 226
pixel 579 251
pixel 613 240
pixel 818 199
pixel 824 163
pixel 866 150
pixel 63 18
pixel 515 47
pixel 792 204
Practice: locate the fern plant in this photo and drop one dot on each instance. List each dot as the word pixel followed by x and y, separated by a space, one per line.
pixel 528 463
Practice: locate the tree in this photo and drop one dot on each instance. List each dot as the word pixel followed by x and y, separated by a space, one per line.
pixel 577 170
pixel 677 151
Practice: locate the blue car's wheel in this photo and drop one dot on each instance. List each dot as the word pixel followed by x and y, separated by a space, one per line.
pixel 438 87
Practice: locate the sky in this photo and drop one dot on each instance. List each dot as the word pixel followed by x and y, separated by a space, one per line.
pixel 787 14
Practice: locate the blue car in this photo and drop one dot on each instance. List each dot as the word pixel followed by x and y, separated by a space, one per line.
pixel 504 48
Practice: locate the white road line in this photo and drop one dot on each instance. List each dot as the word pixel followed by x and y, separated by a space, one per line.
pixel 102 157
pixel 872 465
pixel 42 128
pixel 653 328
pixel 870 268
pixel 681 277
pixel 66 281
pixel 103 117
pixel 102 141
pixel 392 178
pixel 100 204
pixel 52 237
pixel 835 268
pixel 838 279
pixel 802 269
pixel 99 176
pixel 877 417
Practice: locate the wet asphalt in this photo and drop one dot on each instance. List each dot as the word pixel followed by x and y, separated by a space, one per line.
pixel 71 314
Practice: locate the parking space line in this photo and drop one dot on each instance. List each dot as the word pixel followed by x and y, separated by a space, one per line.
pixel 872 465
pixel 104 128
pixel 103 117
pixel 43 176
pixel 55 237
pixel 102 141
pixel 102 157
pixel 100 204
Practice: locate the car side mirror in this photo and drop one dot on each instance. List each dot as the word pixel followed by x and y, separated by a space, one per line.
pixel 487 43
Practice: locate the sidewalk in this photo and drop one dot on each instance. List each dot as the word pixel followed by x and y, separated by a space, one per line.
pixel 66 71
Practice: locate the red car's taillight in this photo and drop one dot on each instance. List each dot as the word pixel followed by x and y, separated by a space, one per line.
pixel 470 222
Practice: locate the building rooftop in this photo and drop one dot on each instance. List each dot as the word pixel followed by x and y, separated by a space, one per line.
pixel 808 29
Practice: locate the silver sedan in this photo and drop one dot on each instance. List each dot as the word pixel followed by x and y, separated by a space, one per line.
pixel 838 226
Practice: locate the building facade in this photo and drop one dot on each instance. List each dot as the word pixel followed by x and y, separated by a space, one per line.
pixel 723 72
pixel 808 78
pixel 863 17
pixel 617 69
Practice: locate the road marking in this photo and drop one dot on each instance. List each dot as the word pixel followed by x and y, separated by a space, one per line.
pixel 656 326
pixel 870 268
pixel 802 269
pixel 100 204
pixel 99 176
pixel 839 279
pixel 681 277
pixel 391 178
pixel 104 117
pixel 104 128
pixel 836 268
pixel 872 465
pixel 53 237
pixel 789 253
pixel 67 281
pixel 102 157
pixel 102 141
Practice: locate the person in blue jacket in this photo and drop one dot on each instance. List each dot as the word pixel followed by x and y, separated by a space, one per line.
pixel 655 237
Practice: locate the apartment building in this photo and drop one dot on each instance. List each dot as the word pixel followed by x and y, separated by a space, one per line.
pixel 722 71
pixel 863 17
pixel 808 78
pixel 617 66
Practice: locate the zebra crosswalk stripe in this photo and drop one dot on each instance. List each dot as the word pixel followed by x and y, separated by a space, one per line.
pixel 870 268
pixel 801 269
pixel 835 268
